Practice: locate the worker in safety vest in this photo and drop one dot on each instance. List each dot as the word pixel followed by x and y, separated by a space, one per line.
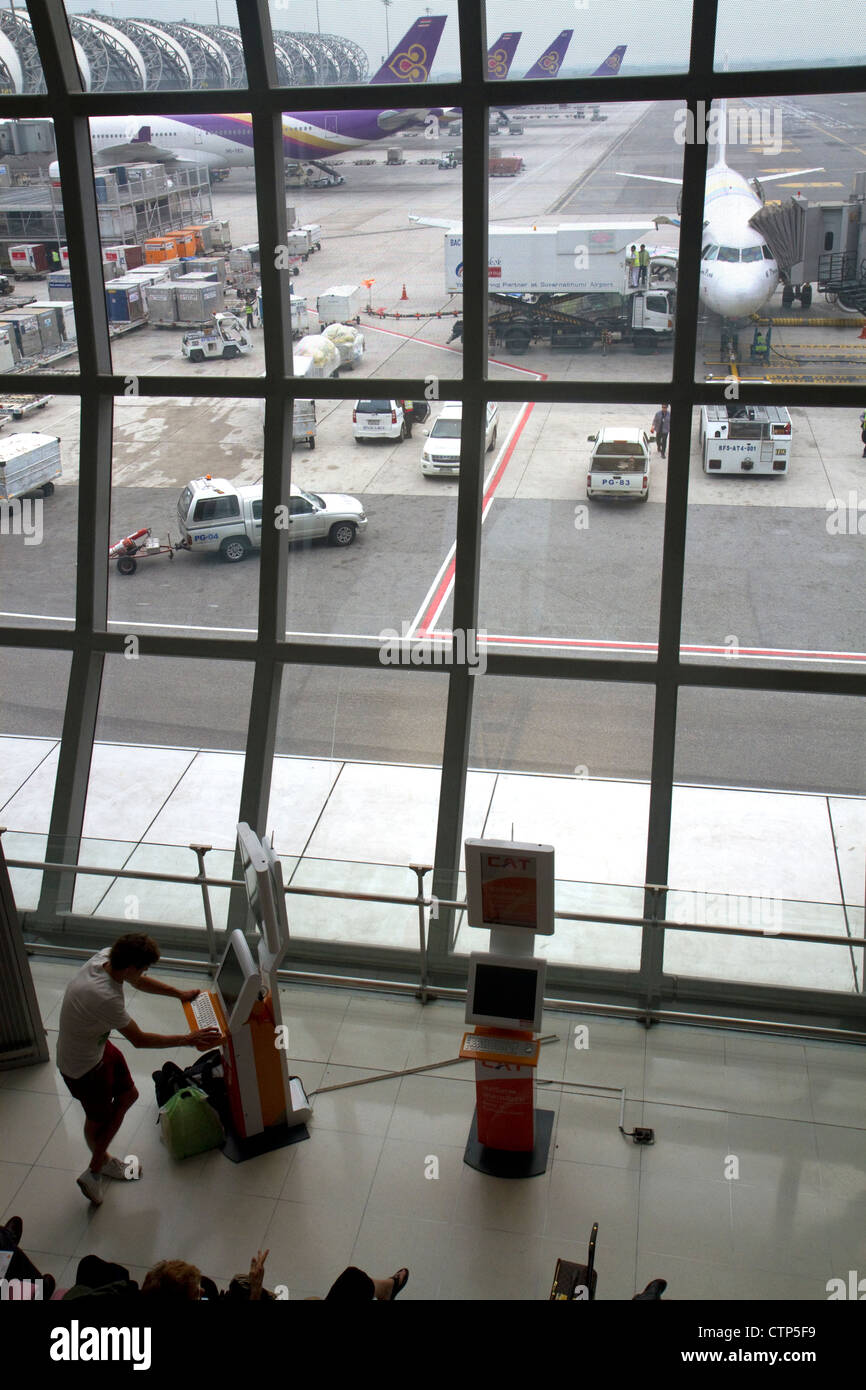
pixel 643 260
pixel 760 345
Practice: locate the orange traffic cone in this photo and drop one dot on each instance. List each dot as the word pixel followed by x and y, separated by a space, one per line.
pixel 404 295
pixel 862 333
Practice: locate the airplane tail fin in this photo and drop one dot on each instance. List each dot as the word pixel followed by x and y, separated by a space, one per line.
pixel 612 63
pixel 412 59
pixel 500 55
pixel 550 62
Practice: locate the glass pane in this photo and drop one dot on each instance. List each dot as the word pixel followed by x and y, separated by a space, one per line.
pixel 571 559
pixel 775 508
pixel 355 796
pixel 782 268
pixel 20 64
pixel 187 723
pixel 581 282
pixel 572 769
pixel 363 515
pixel 787 38
pixel 576 40
pixel 32 701
pixel 160 49
pixel 174 525
pixel 39 526
pixel 394 44
pixel 769 832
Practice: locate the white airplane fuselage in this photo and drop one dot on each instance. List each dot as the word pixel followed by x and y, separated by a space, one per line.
pixel 732 288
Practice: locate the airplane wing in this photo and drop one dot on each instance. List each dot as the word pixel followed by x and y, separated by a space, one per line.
pixel 788 174
pixel 455 224
pixel 652 178
pixel 398 120
pixel 135 152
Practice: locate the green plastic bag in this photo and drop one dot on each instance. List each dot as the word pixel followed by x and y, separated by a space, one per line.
pixel 189 1124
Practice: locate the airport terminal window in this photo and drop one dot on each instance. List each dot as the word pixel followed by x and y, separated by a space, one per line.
pixel 509 544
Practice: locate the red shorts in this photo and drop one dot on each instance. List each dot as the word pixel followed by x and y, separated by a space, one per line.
pixel 100 1088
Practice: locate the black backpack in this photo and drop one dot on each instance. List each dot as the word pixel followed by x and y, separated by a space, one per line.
pixel 166 1081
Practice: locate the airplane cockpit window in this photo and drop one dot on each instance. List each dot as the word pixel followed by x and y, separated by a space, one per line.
pixel 729 253
pixel 751 253
pixel 768 255
pixel 710 253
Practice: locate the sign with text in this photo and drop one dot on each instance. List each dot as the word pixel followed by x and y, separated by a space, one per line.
pixel 509 884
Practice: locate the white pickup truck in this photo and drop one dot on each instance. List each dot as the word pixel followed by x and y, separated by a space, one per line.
pixel 213 514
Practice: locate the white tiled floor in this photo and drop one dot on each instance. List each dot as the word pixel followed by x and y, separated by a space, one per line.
pixel 754 1188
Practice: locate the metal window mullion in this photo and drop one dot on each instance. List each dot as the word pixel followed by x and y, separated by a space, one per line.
pixel 455 752
pixel 676 514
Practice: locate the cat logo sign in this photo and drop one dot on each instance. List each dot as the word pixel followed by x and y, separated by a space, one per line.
pixel 509 885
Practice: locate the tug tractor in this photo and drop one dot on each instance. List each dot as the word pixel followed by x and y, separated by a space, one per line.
pixel 224 336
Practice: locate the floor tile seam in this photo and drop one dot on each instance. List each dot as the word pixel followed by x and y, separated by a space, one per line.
pixel 134 847
pixel 55 743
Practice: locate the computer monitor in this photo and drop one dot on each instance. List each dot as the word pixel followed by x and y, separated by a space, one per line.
pixel 506 991
pixel 238 980
pixel 259 879
pixel 276 871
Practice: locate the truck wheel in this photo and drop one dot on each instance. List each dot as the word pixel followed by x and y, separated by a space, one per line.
pixel 787 296
pixel 196 355
pixel 127 564
pixel 47 489
pixel 342 533
pixel 806 296
pixel 233 549
pixel 231 350
pixel 312 441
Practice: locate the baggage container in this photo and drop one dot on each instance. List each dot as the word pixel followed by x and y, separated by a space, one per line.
pixel 339 304
pixel 134 257
pixel 196 303
pixel 109 271
pixel 158 249
pixel 204 237
pixel 26 331
pixel 184 242
pixel 162 302
pixel 117 256
pixel 49 329
pixel 7 351
pixel 29 260
pixel 64 316
pixel 27 462
pixel 60 285
pixel 126 301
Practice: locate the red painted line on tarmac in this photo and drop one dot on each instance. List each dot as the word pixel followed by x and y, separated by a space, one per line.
pixel 689 649
pixel 443 347
pixel 447 579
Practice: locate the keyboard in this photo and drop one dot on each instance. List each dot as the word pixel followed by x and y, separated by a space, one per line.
pixel 511 1047
pixel 203 1012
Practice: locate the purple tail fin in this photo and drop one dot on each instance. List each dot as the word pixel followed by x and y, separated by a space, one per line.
pixel 612 63
pixel 550 61
pixel 500 56
pixel 412 59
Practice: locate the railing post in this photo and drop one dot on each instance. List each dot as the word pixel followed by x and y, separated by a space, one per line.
pixel 200 851
pixel 420 870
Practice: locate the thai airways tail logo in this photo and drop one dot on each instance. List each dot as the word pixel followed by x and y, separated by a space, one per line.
pixel 412 65
pixel 497 63
pixel 550 62
pixel 614 62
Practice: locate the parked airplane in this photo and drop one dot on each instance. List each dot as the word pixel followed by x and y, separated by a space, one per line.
pixel 548 65
pixel 222 142
pixel 738 270
pixel 551 60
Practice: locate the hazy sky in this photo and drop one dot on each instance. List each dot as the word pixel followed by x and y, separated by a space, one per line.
pixel 656 34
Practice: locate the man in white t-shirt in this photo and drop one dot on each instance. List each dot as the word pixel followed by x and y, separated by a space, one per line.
pixel 94 1070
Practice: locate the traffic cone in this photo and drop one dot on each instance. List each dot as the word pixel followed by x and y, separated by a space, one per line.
pixel 862 333
pixel 404 295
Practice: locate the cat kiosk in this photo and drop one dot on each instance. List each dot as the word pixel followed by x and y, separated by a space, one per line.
pixel 269 1108
pixel 509 891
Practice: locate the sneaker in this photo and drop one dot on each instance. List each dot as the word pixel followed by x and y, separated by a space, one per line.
pixel 116 1168
pixel 91 1186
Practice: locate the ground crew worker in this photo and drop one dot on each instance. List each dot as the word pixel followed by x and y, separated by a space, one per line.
pixel 250 313
pixel 661 428
pixel 633 268
pixel 643 260
pixel 760 346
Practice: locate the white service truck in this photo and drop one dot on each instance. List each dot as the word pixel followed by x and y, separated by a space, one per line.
pixel 745 439
pixel 571 286
pixel 28 462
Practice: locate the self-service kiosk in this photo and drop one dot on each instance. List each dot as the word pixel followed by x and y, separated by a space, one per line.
pixel 510 892
pixel 269 1108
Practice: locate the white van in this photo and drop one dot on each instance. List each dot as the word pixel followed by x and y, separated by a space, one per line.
pixel 619 465
pixel 441 453
pixel 215 515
